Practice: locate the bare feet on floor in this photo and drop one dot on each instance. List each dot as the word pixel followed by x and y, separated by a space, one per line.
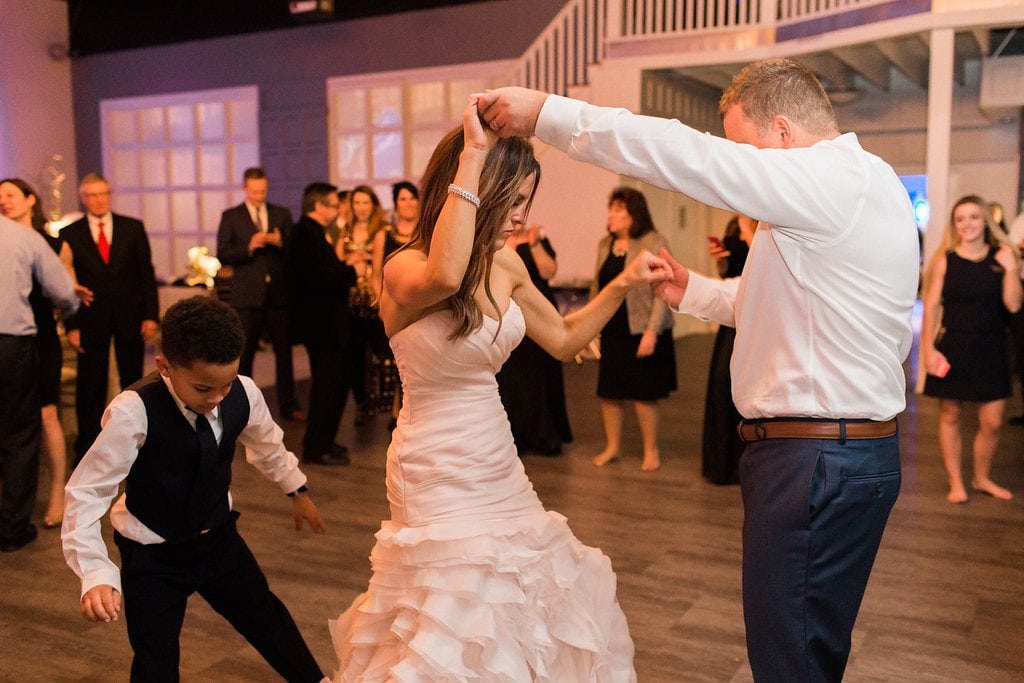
pixel 605 457
pixel 957 494
pixel 652 461
pixel 991 488
pixel 54 512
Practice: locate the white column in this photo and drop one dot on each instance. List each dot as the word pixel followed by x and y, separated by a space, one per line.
pixel 940 123
pixel 940 115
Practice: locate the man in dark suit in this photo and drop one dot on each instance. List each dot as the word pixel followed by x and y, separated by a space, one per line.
pixel 112 258
pixel 251 239
pixel 318 286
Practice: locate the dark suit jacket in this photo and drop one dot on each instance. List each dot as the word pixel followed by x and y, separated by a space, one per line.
pixel 259 277
pixel 318 284
pixel 125 288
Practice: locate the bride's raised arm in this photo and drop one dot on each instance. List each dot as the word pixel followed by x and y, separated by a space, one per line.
pixel 564 337
pixel 433 269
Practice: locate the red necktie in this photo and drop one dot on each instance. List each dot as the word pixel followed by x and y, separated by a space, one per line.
pixel 103 245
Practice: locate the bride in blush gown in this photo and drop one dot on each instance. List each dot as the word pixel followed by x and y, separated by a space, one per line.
pixel 473 580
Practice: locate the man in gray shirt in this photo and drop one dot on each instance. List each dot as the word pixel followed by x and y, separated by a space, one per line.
pixel 24 258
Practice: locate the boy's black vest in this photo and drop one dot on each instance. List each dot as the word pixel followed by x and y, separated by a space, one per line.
pixel 159 486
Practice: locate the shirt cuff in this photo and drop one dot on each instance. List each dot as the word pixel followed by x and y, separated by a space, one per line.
pixel 698 294
pixel 557 121
pixel 710 300
pixel 102 577
pixel 292 481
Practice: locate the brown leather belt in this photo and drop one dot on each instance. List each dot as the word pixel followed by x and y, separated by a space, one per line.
pixel 815 429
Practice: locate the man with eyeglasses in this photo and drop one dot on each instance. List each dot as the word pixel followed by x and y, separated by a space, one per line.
pixel 318 286
pixel 112 258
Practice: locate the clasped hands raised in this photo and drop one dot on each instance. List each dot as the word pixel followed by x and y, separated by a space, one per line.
pixel 666 276
pixel 513 112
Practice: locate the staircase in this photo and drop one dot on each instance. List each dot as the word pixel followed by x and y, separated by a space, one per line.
pixel 579 35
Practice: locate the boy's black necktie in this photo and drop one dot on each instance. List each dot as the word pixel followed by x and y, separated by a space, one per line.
pixel 200 502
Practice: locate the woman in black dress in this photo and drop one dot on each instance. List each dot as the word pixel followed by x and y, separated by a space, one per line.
pixel 976 281
pixel 406 200
pixel 19 202
pixel 722 445
pixel 638 361
pixel 356 244
pixel 530 382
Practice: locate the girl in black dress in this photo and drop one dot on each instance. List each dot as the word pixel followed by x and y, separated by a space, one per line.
pixel 638 361
pixel 722 445
pixel 19 202
pixel 976 281
pixel 357 242
pixel 530 382
pixel 406 200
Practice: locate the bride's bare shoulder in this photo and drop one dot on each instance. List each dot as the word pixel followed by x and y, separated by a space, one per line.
pixel 509 261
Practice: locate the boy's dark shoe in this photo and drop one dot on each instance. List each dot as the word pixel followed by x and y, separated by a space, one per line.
pixel 337 456
pixel 20 540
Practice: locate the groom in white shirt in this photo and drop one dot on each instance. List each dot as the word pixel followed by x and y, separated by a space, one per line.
pixel 822 316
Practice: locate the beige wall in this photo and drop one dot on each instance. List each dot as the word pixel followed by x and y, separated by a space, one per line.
pixel 35 96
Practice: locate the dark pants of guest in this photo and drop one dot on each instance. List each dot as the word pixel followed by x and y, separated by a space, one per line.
pixel 158 579
pixel 91 383
pixel 360 335
pixel 19 433
pixel 274 320
pixel 814 512
pixel 328 391
pixel 1017 345
pixel 722 446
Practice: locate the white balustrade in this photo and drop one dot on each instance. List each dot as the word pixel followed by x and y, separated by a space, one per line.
pixel 578 35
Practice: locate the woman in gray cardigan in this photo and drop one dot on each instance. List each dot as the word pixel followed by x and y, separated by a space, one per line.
pixel 638 361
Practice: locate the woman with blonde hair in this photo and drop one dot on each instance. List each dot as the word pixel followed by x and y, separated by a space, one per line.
pixel 472 577
pixel 976 280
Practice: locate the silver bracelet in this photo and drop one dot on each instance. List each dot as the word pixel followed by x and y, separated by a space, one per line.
pixel 460 191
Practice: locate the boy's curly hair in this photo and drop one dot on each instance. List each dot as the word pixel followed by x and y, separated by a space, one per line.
pixel 201 328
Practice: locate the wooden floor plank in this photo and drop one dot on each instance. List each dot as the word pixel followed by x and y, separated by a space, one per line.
pixel 945 602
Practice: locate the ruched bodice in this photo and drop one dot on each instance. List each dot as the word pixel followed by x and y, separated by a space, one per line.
pixel 452 454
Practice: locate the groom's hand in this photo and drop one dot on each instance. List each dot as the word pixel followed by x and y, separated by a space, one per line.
pixel 671 290
pixel 512 111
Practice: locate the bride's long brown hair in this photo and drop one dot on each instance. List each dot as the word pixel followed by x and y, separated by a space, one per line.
pixel 509 162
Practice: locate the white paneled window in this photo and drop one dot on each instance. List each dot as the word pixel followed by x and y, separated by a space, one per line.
pixel 384 127
pixel 176 162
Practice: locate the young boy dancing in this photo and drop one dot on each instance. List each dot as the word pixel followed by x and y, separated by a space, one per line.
pixel 171 438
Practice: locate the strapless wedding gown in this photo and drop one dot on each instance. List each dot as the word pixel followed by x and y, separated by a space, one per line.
pixel 473 580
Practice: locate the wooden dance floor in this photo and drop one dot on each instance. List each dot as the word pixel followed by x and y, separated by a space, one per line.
pixel 945 601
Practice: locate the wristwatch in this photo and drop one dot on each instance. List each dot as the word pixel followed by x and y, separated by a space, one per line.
pixel 301 489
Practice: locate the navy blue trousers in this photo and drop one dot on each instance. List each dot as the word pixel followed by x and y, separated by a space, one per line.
pixel 814 513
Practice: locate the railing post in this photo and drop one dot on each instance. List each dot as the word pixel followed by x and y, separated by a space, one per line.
pixel 613 30
pixel 768 12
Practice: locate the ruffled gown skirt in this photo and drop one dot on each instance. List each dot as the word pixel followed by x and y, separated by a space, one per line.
pixel 472 579
pixel 513 600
